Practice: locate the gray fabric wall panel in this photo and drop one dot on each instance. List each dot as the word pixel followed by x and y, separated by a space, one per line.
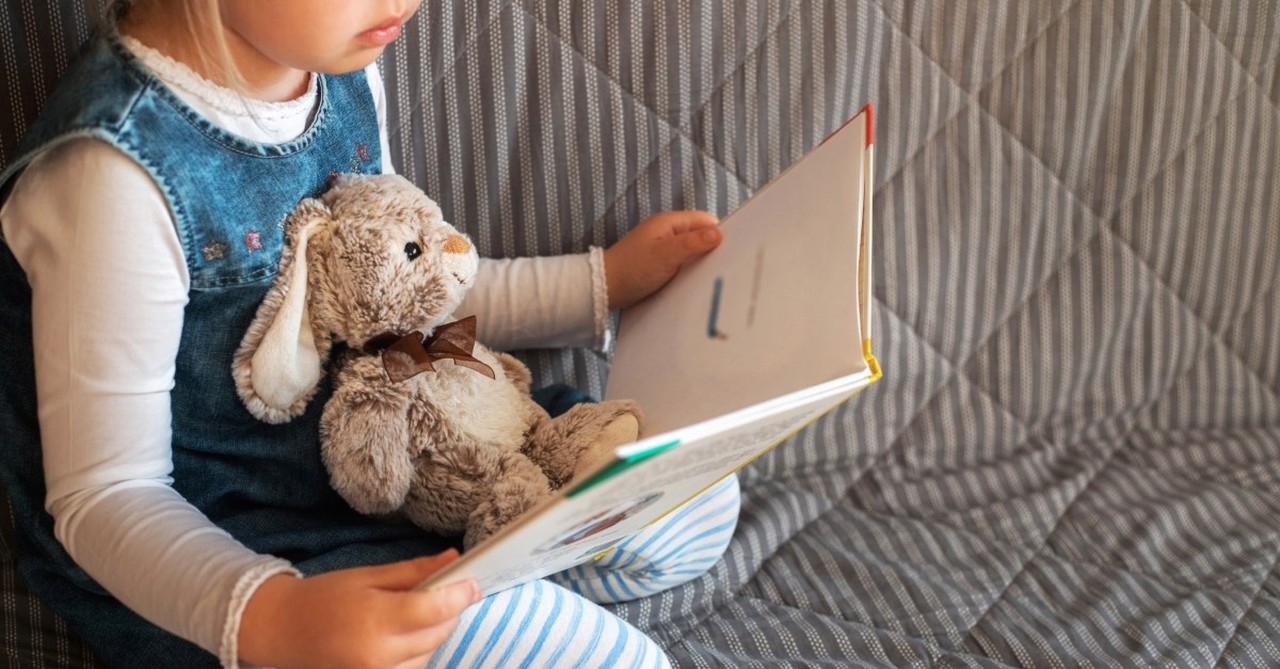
pixel 31 635
pixel 1074 458
pixel 968 198
pixel 37 40
pixel 1059 321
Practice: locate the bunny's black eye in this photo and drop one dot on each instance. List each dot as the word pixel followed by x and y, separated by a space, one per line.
pixel 412 250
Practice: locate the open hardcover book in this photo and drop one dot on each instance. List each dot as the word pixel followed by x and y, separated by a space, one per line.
pixel 743 348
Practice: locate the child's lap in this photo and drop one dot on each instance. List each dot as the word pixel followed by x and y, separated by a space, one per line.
pixel 541 624
pixel 548 623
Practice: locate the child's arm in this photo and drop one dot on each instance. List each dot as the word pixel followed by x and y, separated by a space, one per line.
pixel 109 288
pixel 560 301
pixel 108 293
pixel 365 617
pixel 544 302
pixel 651 253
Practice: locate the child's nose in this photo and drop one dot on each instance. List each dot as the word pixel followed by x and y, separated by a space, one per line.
pixel 456 244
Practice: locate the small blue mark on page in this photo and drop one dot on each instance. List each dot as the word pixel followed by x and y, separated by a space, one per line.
pixel 712 331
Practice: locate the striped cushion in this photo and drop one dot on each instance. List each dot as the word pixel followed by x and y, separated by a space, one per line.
pixel 1074 456
pixel 30 634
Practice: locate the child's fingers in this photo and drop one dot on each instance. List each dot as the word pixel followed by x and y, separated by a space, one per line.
pixel 693 243
pixel 406 574
pixel 435 607
pixel 684 221
pixel 704 239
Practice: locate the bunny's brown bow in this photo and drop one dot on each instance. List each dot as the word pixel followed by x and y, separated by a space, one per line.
pixel 406 356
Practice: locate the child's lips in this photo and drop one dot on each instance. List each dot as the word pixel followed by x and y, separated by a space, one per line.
pixel 383 34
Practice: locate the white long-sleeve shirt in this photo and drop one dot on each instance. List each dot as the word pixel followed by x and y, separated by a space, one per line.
pixel 109 285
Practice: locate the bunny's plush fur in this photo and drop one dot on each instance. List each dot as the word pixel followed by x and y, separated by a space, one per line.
pixel 451 448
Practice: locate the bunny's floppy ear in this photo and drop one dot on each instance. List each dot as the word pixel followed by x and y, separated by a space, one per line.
pixel 278 365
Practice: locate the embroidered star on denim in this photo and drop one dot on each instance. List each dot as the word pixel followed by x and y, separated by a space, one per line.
pixel 214 251
pixel 253 241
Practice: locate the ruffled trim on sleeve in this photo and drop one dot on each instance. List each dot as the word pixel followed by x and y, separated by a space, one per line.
pixel 229 654
pixel 600 301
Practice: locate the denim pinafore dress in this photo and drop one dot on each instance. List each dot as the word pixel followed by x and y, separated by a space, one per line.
pixel 264 484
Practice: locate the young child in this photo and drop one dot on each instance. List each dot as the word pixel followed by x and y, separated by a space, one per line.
pixel 140 226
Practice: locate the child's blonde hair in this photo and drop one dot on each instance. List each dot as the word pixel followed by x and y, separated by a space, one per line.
pixel 202 21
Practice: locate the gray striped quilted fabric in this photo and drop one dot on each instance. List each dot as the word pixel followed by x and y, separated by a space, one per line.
pixel 1074 458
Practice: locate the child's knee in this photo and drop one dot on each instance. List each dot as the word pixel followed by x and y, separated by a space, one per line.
pixel 714 510
pixel 726 492
pixel 539 611
pixel 677 549
pixel 697 534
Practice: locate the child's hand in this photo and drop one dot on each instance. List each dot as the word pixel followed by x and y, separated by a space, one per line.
pixel 364 617
pixel 648 256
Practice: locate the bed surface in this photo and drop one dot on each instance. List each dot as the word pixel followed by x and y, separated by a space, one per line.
pixel 1074 456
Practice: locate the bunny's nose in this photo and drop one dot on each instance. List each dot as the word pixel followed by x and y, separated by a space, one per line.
pixel 456 244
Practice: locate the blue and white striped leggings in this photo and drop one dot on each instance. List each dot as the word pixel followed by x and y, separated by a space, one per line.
pixel 557 622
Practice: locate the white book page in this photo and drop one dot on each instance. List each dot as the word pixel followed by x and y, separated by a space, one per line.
pixel 586 519
pixel 772 311
pixel 783 348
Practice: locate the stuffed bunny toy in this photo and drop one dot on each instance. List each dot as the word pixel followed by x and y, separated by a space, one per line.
pixel 422 421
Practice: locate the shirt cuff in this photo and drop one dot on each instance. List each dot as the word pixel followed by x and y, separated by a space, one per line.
pixel 540 302
pixel 600 301
pixel 228 652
